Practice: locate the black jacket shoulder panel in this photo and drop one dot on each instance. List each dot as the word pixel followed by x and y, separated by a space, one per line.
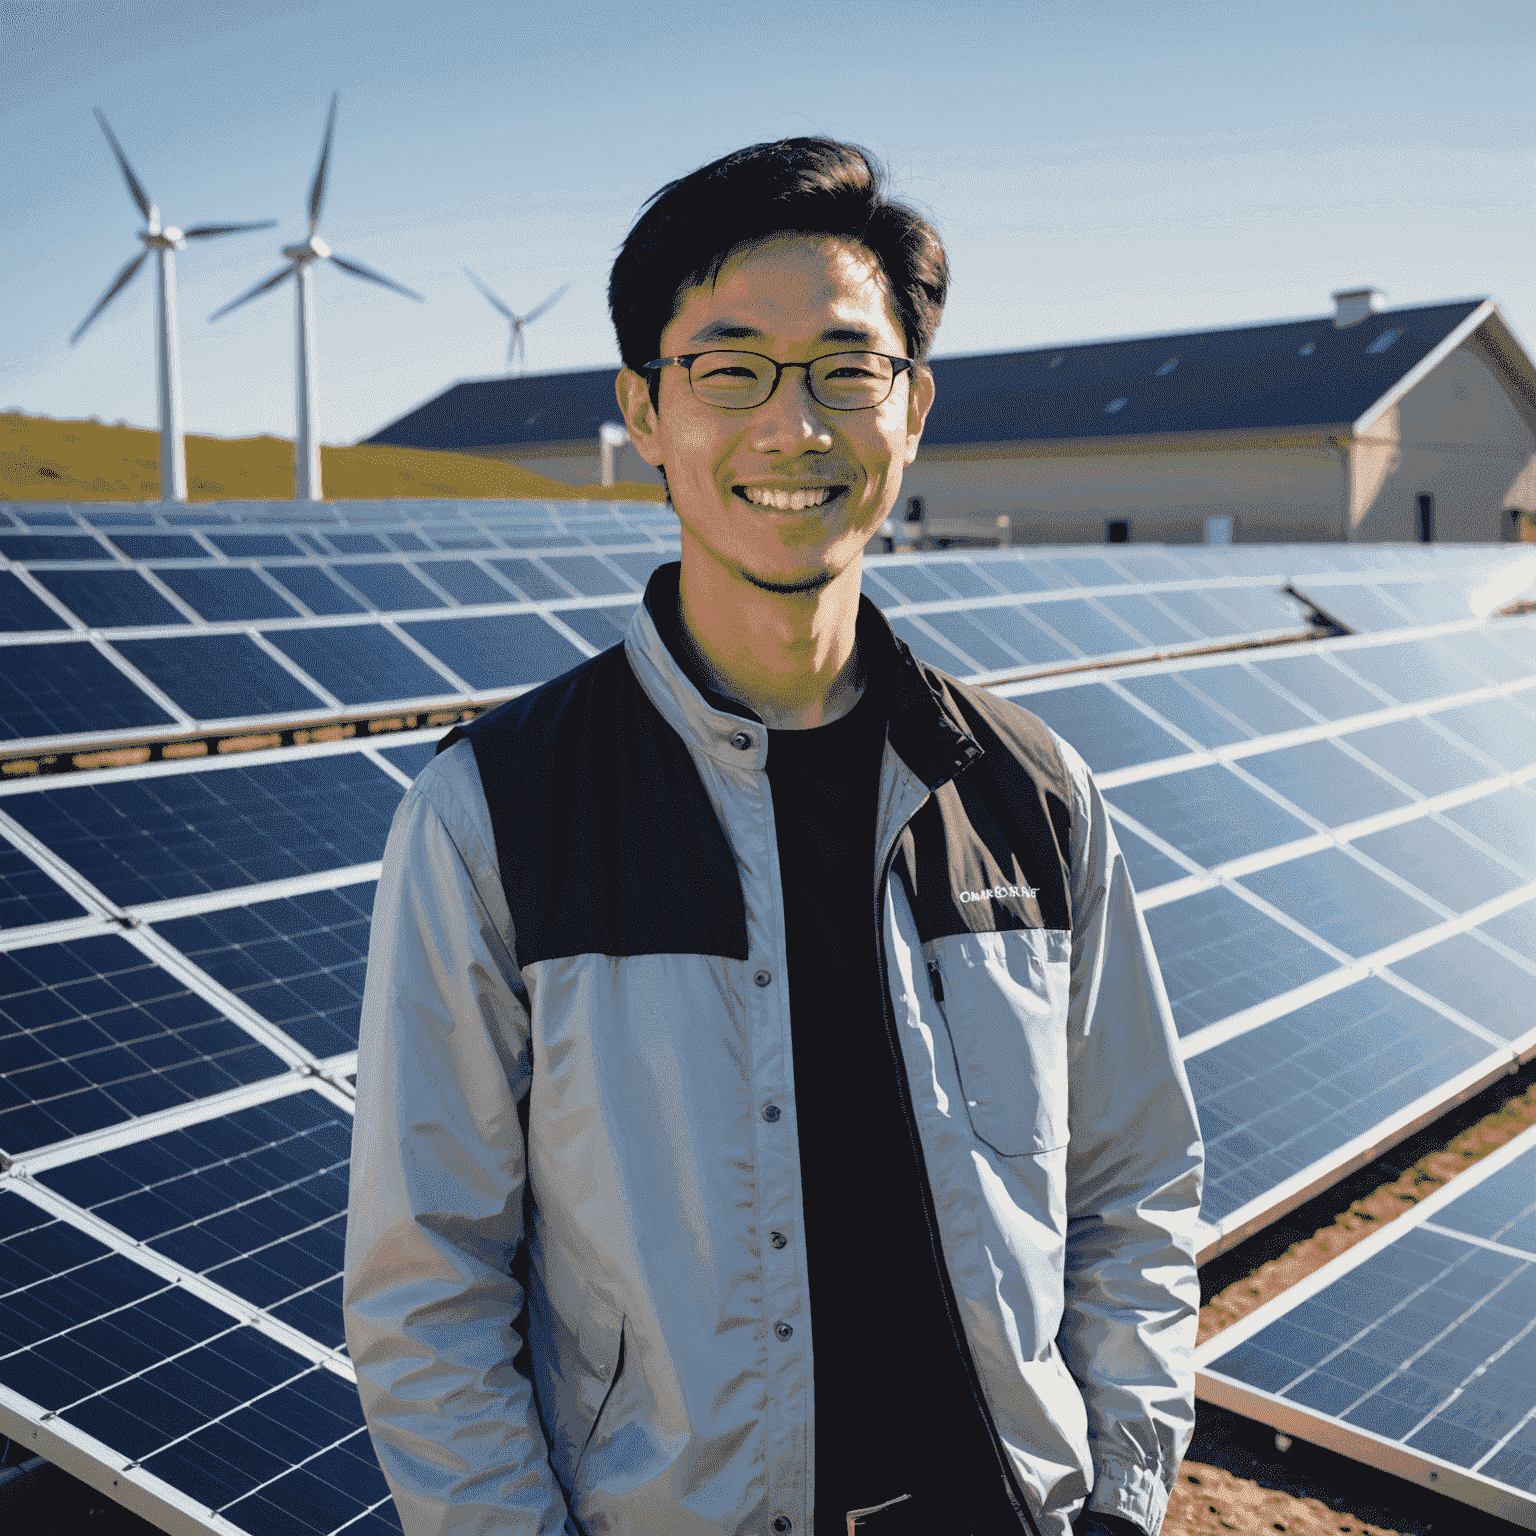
pixel 606 839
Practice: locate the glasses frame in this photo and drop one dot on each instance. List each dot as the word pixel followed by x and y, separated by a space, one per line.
pixel 686 360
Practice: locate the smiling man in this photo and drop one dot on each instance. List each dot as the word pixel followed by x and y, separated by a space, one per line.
pixel 769 1115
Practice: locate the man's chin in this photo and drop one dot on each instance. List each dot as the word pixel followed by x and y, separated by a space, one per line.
pixel 787 585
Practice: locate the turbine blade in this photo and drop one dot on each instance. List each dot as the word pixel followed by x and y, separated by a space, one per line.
pixel 139 195
pixel 487 292
pixel 357 269
pixel 203 231
pixel 119 282
pixel 317 187
pixel 260 288
pixel 549 303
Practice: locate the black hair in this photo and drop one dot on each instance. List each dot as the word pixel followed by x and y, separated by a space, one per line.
pixel 688 231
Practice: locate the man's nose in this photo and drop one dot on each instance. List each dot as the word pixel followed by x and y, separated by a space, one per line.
pixel 790 420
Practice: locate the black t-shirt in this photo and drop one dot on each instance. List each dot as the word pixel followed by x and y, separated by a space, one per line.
pixel 895 1413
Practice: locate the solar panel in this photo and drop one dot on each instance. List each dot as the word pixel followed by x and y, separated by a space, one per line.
pixel 1415 1351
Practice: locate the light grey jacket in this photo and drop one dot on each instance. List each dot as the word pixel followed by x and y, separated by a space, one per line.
pixel 575 1295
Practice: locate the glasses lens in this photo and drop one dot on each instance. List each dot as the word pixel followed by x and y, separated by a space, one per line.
pixel 852 381
pixel 735 380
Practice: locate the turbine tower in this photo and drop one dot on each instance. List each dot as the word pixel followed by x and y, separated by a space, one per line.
pixel 306 440
pixel 164 241
pixel 516 346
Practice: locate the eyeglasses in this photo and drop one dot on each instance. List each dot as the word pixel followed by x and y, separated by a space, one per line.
pixel 738 381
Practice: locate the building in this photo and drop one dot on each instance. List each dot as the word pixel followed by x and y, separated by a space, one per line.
pixel 1413 423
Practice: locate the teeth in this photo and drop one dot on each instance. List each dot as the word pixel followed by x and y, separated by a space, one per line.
pixel 786 501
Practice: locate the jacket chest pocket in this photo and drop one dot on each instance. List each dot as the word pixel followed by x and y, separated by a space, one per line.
pixel 1004 999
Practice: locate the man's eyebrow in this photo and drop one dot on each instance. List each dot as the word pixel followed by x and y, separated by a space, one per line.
pixel 734 330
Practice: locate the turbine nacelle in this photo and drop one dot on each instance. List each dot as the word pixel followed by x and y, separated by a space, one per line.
pixel 168 239
pixel 313 249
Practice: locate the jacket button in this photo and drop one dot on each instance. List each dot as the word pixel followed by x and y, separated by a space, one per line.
pixel 782 1332
pixel 742 741
pixel 777 1239
pixel 763 978
pixel 783 1524
pixel 771 1112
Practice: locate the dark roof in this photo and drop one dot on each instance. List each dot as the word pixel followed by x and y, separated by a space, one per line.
pixel 1246 378
pixel 531 408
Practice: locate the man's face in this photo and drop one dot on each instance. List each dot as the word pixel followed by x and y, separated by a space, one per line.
pixel 793 299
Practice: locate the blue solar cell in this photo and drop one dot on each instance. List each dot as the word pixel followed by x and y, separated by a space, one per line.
pixel 218 677
pixel 1149 866
pixel 68 688
pixel 962 578
pixel 1501 1207
pixel 1475 979
pixel 1148 619
pixel 965 635
pixel 1089 570
pixel 177 834
pixel 357 543
pixel 22 610
pixel 1501 729
pixel 1014 575
pixel 1083 627
pixel 1361 608
pixel 1176 701
pixel 1201 613
pixel 914 583
pixel 226 593
pixel 1219 955
pixel 39 517
pixel 115 517
pixel 1412 671
pixel 253 546
pixel 94 1033
pixel 1504 821
pixel 929 648
pixel 406 543
pixel 412 757
pixel 1017 629
pixel 1342 901
pixel 361 663
pixel 1248 697
pixel 1256 610
pixel 1321 685
pixel 588 575
pixel 108 599
pixel 503 651
pixel 159 546
pixel 465 582
pixel 298 962
pixel 640 565
pixel 529 580
pixel 1447 868
pixel 1208 813
pixel 314 588
pixel 52 546
pixel 27 895
pixel 602 627
pixel 1109 732
pixel 1326 782
pixel 1515 929
pixel 255 1201
pixel 389 587
pixel 1419 755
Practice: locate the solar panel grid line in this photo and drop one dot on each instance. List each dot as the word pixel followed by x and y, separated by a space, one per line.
pixel 292 668
pixel 374 755
pixel 458 687
pixel 339 1071
pixel 49 599
pixel 1218 1235
pixel 61 871
pixel 582 644
pixel 1482 1242
pixel 106 1470
pixel 174 598
pixel 140 679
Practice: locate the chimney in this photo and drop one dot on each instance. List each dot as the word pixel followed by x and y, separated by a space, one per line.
pixel 1353 305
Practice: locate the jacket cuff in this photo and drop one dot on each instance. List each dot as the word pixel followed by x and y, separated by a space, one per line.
pixel 1132 1492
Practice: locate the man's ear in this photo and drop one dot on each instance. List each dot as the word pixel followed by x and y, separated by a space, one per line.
pixel 919 403
pixel 634 392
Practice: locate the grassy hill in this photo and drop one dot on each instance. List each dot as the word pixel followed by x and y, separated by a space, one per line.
pixel 46 460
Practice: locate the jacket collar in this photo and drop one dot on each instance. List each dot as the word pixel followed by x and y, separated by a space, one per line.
pixel 924 730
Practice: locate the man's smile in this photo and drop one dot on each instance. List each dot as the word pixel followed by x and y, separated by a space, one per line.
pixel 783 499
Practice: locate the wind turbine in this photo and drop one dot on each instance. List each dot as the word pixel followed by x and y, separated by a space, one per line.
pixel 516 346
pixel 306 442
pixel 164 241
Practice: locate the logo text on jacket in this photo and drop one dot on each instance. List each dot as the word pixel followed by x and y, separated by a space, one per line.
pixel 998 892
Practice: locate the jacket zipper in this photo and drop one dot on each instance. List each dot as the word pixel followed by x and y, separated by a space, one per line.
pixel 930 1216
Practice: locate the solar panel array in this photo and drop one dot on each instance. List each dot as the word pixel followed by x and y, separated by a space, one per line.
pixel 1415 1351
pixel 1334 842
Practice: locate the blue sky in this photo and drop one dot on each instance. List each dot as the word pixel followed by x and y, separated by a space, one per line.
pixel 1096 169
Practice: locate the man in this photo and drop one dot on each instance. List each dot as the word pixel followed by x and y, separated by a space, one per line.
pixel 769 1115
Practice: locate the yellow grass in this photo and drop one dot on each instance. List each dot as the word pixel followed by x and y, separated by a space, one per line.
pixel 46 460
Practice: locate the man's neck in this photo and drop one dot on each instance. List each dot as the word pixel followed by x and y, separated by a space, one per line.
pixel 791 658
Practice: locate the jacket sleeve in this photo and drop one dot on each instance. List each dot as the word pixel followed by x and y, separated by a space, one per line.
pixel 436 1206
pixel 1134 1164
